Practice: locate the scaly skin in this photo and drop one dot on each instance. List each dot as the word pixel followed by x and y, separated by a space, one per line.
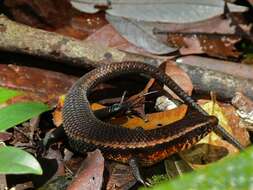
pixel 86 132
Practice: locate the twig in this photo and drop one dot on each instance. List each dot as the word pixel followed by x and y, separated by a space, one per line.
pixel 16 37
pixel 233 68
pixel 210 35
pixel 225 85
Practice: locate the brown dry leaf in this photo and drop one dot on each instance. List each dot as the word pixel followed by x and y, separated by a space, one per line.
pixel 238 132
pixel 90 174
pixel 242 102
pixel 73 163
pixel 96 106
pixel 5 136
pixel 228 119
pixel 120 177
pixel 109 37
pixel 58 16
pixel 251 2
pixel 221 47
pixel 213 108
pixel 212 147
pixel 57 114
pixel 179 76
pixel 44 13
pixel 87 24
pixel 202 37
pixel 202 153
pixel 154 120
pixel 37 84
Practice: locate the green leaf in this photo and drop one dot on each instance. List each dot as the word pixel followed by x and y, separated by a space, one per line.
pixel 20 112
pixel 233 173
pixel 6 94
pixel 17 161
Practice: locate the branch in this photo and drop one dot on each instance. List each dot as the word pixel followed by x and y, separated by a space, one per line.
pixel 225 85
pixel 16 37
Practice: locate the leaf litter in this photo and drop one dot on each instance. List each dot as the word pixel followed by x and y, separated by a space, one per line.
pixel 149 34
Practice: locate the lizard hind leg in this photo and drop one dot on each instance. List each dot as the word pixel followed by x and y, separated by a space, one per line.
pixel 133 163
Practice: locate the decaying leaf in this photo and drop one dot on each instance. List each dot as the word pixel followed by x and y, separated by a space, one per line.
pixel 175 166
pixel 108 36
pixel 45 13
pixel 57 114
pixel 179 76
pixel 154 120
pixel 36 84
pixel 244 107
pixel 212 147
pixel 240 133
pixel 87 24
pixel 90 174
pixel 139 35
pixel 213 108
pixel 198 44
pixel 120 177
pixel 182 11
pixel 202 37
pixel 201 154
pixel 4 136
pixel 58 16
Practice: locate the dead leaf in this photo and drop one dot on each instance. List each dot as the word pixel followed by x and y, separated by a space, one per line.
pixel 154 120
pixel 109 37
pixel 73 163
pixel 228 120
pixel 120 177
pixel 212 147
pixel 87 24
pixel 57 16
pixel 139 35
pixel 242 102
pixel 202 153
pixel 213 108
pixel 169 11
pixel 221 47
pixel 202 37
pixel 37 84
pixel 44 13
pixel 5 136
pixel 3 182
pixel 179 76
pixel 90 175
pixel 241 134
pixel 57 114
pixel 175 166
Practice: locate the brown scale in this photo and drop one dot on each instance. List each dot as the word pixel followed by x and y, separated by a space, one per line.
pixel 119 143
